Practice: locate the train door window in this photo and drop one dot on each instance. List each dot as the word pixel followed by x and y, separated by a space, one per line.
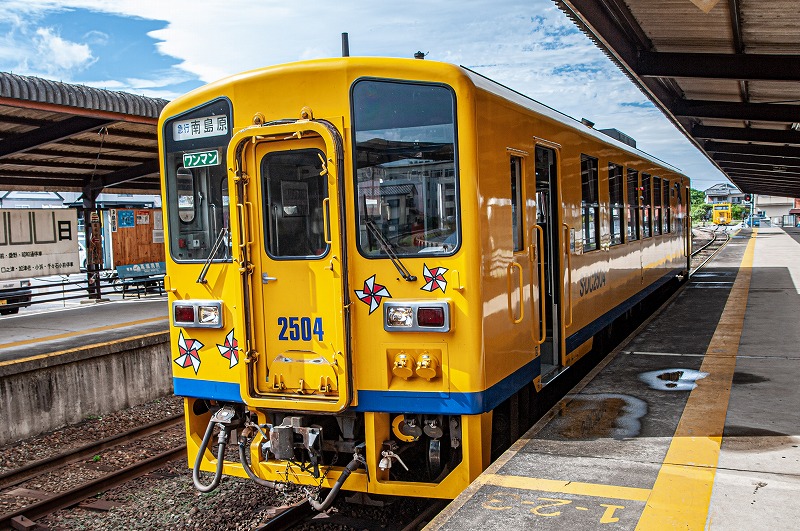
pixel 294 192
pixel 657 214
pixel 616 200
pixel 633 204
pixel 667 206
pixel 517 227
pixel 647 205
pixel 590 206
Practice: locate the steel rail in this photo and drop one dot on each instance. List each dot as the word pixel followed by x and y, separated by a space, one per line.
pixel 80 493
pixel 13 477
pixel 712 254
pixel 290 517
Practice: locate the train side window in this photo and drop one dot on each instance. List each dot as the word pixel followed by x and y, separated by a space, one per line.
pixel 617 203
pixel 517 227
pixel 667 206
pixel 633 205
pixel 590 207
pixel 647 205
pixel 656 205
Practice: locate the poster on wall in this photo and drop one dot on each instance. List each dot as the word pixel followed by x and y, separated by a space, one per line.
pixel 157 220
pixel 143 217
pixel 125 219
pixel 38 242
pixel 158 236
pixel 112 219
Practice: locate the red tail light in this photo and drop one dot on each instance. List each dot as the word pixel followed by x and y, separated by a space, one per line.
pixel 433 317
pixel 184 314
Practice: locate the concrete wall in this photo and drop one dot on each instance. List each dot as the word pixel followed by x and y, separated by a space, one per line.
pixel 46 392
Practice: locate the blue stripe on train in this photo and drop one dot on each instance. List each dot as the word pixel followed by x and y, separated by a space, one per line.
pixel 449 403
pixel 209 389
pixel 581 336
pixel 438 402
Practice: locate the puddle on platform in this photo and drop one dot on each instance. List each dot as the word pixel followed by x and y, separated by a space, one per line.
pixel 742 378
pixel 604 415
pixel 672 379
pixel 747 439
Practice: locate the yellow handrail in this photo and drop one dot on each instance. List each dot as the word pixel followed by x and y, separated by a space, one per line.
pixel 569 274
pixel 521 305
pixel 542 287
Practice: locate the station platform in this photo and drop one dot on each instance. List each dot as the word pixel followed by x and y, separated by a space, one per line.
pixel 52 331
pixel 693 423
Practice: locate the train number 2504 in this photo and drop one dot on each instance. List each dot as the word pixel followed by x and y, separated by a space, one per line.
pixel 300 328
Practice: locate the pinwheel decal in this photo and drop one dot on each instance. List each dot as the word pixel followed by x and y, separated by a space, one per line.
pixel 189 353
pixel 434 278
pixel 372 294
pixel 230 349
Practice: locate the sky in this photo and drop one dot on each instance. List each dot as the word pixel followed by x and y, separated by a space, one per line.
pixel 166 48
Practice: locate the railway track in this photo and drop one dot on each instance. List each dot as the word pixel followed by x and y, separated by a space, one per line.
pixel 301 514
pixel 12 482
pixel 714 241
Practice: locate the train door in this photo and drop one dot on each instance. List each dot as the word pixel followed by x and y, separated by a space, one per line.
pixel 298 281
pixel 549 255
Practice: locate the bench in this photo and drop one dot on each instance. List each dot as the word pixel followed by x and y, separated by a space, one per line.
pixel 142 277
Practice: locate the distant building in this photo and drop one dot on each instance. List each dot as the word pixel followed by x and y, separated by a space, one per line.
pixel 724 193
pixel 74 200
pixel 773 207
pixel 31 200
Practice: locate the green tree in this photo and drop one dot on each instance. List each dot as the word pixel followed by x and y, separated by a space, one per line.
pixel 700 212
pixel 697 196
pixel 738 211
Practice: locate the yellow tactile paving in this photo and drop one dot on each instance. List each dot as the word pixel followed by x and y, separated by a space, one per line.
pixel 682 492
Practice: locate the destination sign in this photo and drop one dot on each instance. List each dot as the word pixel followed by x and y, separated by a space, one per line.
pixel 200 127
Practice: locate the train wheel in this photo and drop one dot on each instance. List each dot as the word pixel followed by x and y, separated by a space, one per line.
pixel 501 430
pixel 435 460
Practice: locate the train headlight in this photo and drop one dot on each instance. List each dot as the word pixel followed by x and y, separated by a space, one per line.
pixel 400 316
pixel 197 314
pixel 417 316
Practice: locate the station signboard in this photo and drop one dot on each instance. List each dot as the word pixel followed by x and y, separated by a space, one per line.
pixel 38 242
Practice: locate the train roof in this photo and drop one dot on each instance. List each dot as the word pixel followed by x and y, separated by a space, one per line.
pixel 429 67
pixel 498 89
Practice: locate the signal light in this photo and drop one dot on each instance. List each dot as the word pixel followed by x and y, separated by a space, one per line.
pixel 430 317
pixel 747 197
pixel 184 314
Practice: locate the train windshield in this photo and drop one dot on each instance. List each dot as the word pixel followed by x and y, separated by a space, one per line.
pixel 197 183
pixel 406 168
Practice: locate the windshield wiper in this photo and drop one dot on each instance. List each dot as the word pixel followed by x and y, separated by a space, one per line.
pixel 388 248
pixel 220 237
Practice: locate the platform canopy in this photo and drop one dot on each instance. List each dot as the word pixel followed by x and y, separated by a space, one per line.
pixel 725 72
pixel 58 136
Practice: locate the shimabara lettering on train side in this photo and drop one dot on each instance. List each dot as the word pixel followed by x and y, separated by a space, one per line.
pixel 592 283
pixel 38 242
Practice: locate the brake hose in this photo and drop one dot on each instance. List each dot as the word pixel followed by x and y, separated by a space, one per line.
pixel 223 442
pixel 322 506
pixel 246 466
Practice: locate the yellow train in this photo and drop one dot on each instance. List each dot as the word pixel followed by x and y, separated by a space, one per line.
pixel 721 214
pixel 373 264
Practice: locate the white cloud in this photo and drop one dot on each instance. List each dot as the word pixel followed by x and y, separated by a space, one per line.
pixel 55 55
pixel 528 45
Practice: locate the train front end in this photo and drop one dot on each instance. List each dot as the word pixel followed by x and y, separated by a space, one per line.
pixel 318 272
